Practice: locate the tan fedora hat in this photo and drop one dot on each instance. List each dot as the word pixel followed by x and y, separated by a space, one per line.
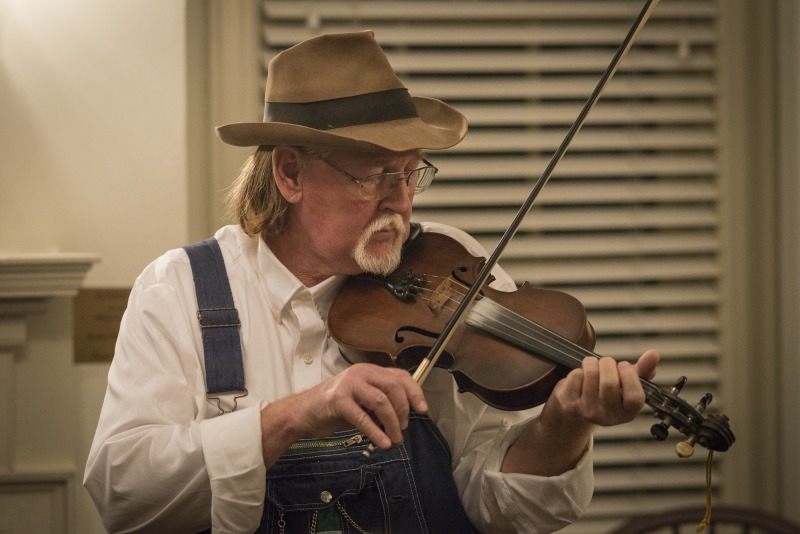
pixel 339 91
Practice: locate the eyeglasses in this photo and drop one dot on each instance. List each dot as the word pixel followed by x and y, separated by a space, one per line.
pixel 379 186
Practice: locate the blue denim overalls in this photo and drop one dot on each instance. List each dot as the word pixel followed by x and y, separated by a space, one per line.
pixel 329 485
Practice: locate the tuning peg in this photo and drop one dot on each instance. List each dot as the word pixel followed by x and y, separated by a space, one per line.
pixel 684 449
pixel 660 431
pixel 704 402
pixel 679 385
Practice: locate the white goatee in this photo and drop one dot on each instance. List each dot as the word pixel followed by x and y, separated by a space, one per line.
pixel 381 264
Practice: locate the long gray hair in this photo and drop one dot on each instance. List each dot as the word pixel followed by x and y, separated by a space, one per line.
pixel 254 199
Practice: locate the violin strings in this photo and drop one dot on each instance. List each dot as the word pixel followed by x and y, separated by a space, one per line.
pixel 565 350
pixel 539 336
pixel 571 353
pixel 520 330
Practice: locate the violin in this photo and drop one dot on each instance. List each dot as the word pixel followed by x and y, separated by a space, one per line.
pixel 508 348
pixel 512 348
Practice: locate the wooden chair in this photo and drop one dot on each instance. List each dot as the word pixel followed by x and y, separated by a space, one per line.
pixel 727 519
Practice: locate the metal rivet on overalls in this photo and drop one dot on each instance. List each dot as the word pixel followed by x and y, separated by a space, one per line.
pixel 326 497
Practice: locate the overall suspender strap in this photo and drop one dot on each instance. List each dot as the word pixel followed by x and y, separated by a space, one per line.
pixel 219 321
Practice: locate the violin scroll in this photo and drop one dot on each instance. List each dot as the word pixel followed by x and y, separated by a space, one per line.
pixel 710 431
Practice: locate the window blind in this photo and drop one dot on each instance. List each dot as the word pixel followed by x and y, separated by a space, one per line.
pixel 629 221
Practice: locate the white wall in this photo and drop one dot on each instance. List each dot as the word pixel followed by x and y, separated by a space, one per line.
pixel 93 158
pixel 94 112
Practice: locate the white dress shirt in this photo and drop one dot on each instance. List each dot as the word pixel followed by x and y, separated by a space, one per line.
pixel 163 458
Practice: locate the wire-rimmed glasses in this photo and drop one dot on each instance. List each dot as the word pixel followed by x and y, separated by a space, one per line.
pixel 379 186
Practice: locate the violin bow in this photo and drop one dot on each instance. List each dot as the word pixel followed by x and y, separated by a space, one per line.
pixel 426 365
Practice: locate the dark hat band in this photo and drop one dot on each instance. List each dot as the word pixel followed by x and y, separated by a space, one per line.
pixel 370 108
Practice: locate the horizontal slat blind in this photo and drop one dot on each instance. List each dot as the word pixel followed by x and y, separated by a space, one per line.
pixel 629 222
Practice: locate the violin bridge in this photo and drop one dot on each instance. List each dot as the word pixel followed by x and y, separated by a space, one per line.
pixel 441 296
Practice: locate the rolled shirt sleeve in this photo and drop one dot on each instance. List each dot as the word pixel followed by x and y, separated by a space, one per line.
pixel 238 477
pixel 512 502
pixel 159 454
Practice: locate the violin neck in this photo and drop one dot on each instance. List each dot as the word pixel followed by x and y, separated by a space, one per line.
pixel 499 321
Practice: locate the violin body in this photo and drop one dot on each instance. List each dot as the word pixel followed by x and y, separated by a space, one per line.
pixel 372 323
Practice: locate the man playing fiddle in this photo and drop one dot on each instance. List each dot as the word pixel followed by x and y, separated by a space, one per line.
pixel 264 430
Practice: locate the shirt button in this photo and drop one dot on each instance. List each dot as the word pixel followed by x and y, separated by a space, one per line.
pixel 309 359
pixel 326 497
pixel 506 423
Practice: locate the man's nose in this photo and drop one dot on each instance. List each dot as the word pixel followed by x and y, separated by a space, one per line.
pixel 401 197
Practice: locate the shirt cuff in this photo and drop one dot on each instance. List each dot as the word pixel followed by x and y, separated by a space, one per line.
pixel 235 463
pixel 531 503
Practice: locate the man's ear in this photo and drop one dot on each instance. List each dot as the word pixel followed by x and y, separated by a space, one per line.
pixel 286 166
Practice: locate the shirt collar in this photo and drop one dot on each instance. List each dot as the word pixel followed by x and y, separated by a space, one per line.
pixel 282 286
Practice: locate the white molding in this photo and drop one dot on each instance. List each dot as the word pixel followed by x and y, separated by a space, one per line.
pixel 26 281
pixel 44 495
pixel 37 275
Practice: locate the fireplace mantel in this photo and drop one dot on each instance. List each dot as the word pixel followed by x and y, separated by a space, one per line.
pixel 28 281
pixel 25 276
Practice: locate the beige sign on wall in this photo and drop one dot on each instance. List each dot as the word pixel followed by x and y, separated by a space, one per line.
pixel 97 313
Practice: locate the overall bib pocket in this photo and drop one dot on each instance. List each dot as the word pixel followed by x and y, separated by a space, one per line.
pixel 322 485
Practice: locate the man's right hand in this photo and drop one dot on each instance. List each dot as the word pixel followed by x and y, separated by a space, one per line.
pixel 374 399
